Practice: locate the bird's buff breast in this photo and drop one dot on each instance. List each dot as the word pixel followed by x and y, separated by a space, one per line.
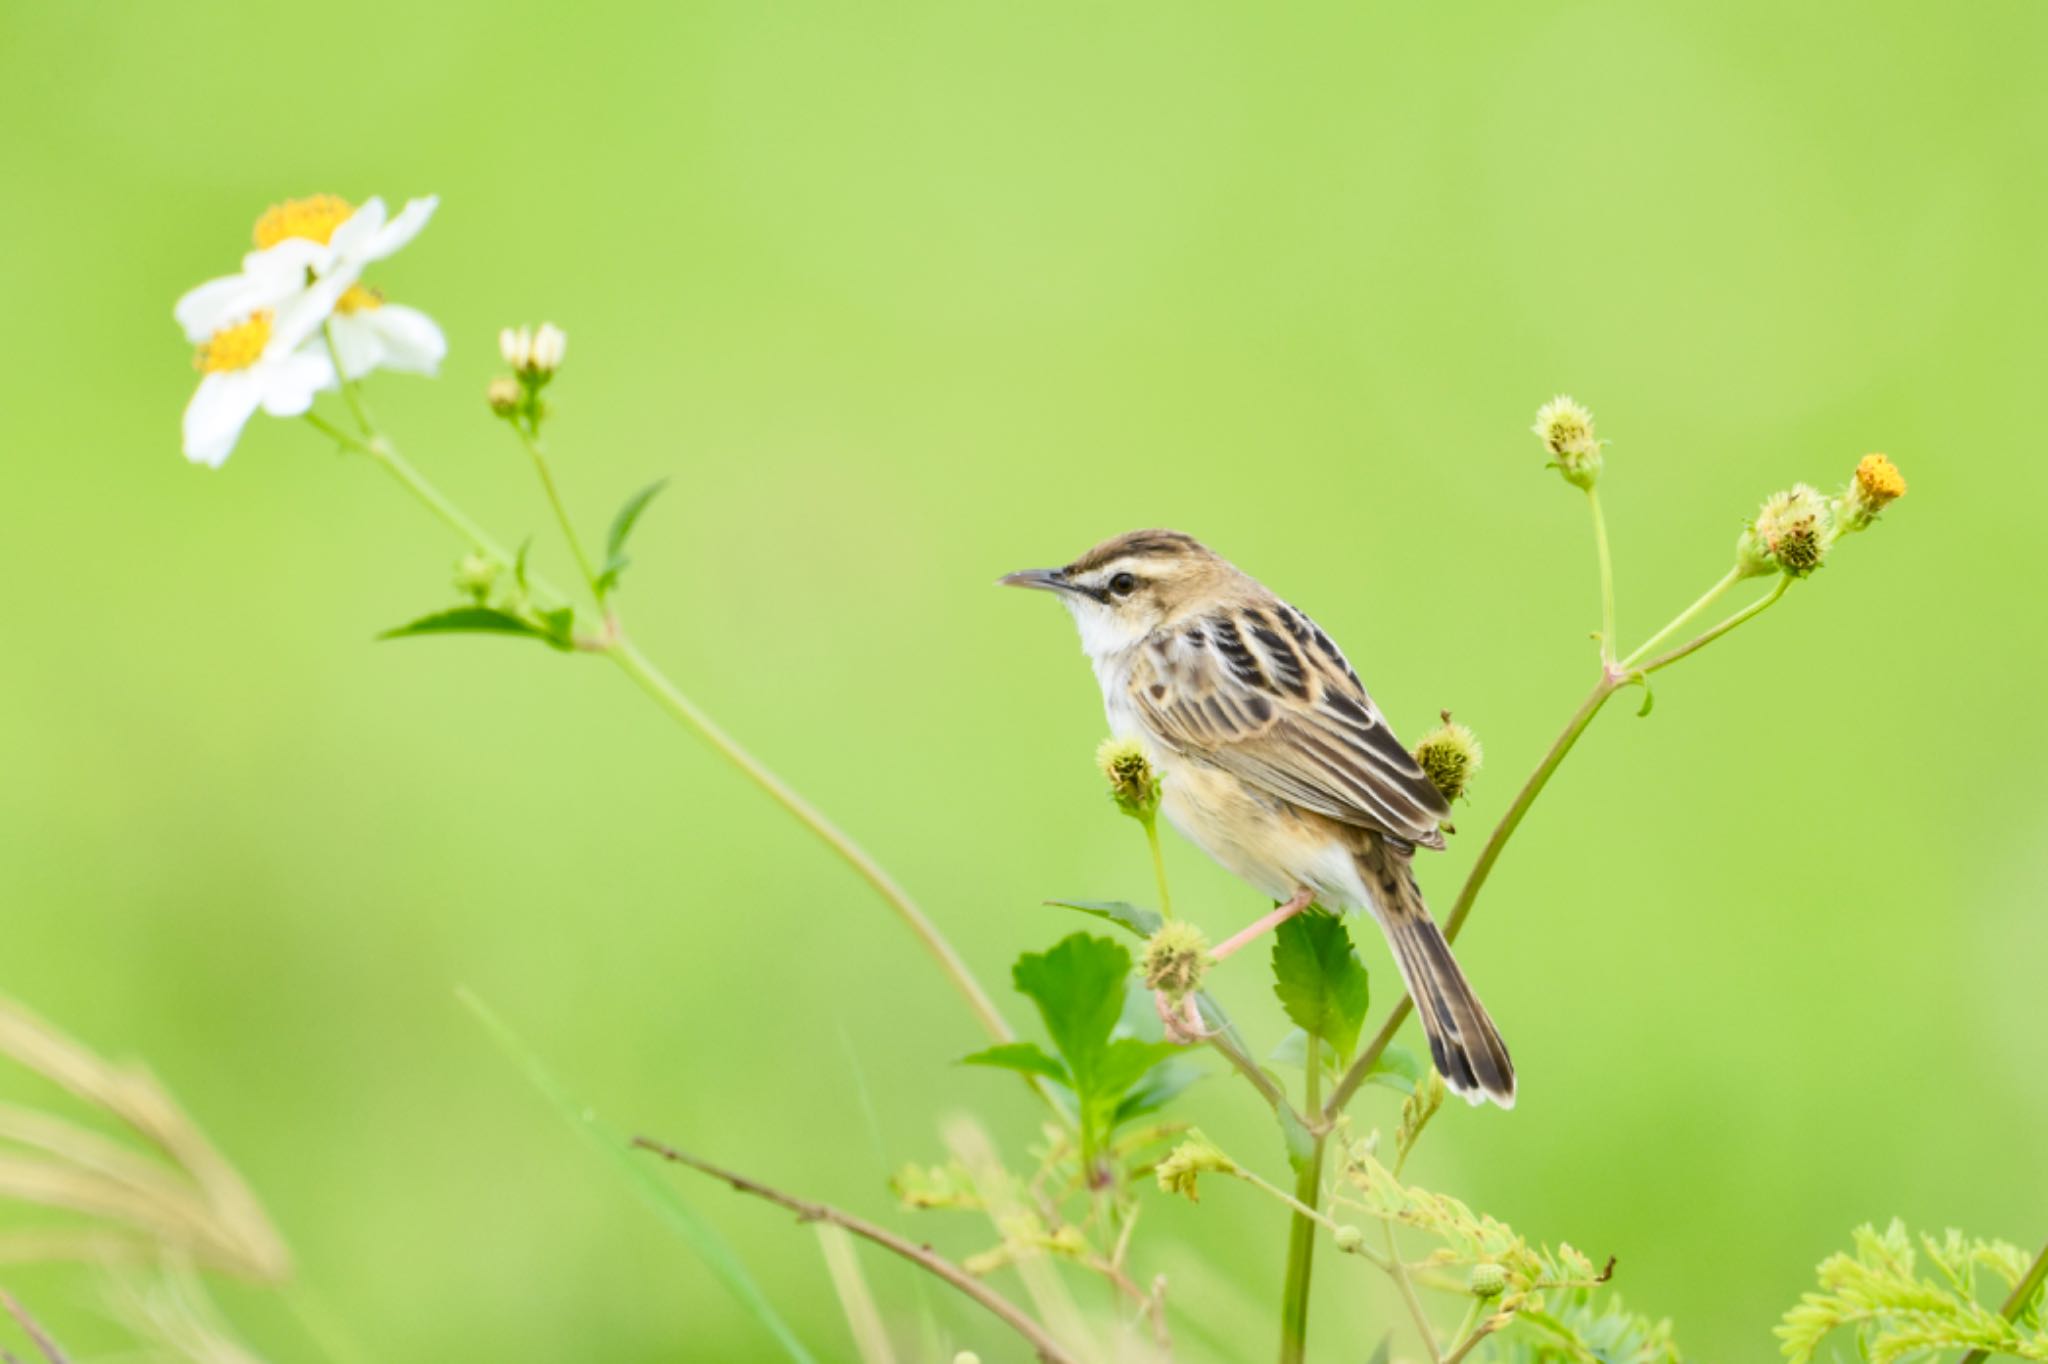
pixel 1272 845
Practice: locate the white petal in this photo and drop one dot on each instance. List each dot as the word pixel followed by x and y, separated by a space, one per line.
pixel 286 262
pixel 356 341
pixel 288 385
pixel 412 343
pixel 219 302
pixel 301 317
pixel 216 415
pixel 353 237
pixel 404 227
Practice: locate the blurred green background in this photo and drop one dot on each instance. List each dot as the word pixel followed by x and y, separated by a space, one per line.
pixel 904 296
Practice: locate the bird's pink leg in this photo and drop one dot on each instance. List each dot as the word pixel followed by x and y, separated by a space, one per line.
pixel 1265 924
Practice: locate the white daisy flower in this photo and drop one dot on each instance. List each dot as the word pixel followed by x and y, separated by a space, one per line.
pixel 259 331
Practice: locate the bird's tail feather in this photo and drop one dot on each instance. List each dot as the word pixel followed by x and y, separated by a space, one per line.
pixel 1463 1042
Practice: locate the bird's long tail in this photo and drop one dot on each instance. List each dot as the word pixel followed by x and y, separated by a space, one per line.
pixel 1463 1042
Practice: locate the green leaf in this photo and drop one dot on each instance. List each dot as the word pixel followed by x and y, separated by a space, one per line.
pixel 1293 1051
pixel 559 627
pixel 646 1180
pixel 1319 979
pixel 1143 922
pixel 1301 1143
pixel 622 527
pixel 1078 986
pixel 471 620
pixel 1026 1058
pixel 519 565
pixel 1398 1069
pixel 1159 1087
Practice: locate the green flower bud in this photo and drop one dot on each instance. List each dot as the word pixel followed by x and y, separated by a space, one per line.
pixel 475 576
pixel 1795 528
pixel 1451 756
pixel 1349 1239
pixel 1176 958
pixel 1488 1280
pixel 1566 430
pixel 1180 1172
pixel 1133 785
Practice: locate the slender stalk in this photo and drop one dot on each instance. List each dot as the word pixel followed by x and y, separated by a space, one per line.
pixel 1606 576
pixel 1475 880
pixel 1611 681
pixel 651 680
pixel 2022 1294
pixel 1047 1349
pixel 1698 642
pixel 1399 1272
pixel 531 440
pixel 1301 1231
pixel 1224 1042
pixel 32 1329
pixel 665 693
pixel 1159 867
pixel 1671 627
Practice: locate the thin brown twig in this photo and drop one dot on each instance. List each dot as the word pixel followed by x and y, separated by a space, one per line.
pixel 34 1331
pixel 1048 1349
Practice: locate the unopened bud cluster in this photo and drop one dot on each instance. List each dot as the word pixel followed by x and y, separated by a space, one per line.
pixel 1488 1280
pixel 1181 1172
pixel 475 576
pixel 1795 529
pixel 1133 784
pixel 1451 756
pixel 1566 430
pixel 1176 959
pixel 534 354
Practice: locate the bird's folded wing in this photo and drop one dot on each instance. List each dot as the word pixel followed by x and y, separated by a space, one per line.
pixel 1262 693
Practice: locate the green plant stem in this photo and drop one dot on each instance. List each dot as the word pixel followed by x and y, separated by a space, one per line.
pixel 1407 1287
pixel 1611 680
pixel 1301 1230
pixel 531 440
pixel 665 693
pixel 651 680
pixel 2021 1295
pixel 1158 867
pixel 1606 576
pixel 1707 598
pixel 1047 1349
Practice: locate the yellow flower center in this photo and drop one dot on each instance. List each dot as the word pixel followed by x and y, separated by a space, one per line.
pixel 1880 480
pixel 313 218
pixel 236 347
pixel 359 299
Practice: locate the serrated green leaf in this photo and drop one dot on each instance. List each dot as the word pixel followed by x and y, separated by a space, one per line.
pixel 616 561
pixel 1134 918
pixel 1026 1058
pixel 468 620
pixel 1319 979
pixel 1078 986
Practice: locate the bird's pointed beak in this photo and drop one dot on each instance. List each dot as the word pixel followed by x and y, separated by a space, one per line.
pixel 1044 579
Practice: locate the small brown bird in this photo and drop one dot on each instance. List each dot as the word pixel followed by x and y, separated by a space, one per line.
pixel 1274 760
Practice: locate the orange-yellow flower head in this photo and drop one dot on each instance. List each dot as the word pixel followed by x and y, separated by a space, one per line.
pixel 1877 484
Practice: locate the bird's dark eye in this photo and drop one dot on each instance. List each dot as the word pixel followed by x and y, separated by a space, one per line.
pixel 1123 584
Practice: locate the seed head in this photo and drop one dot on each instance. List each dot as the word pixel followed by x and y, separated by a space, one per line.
pixel 1795 528
pixel 1488 1280
pixel 1181 1172
pixel 1349 1239
pixel 475 576
pixel 1566 430
pixel 1133 785
pixel 1877 484
pixel 1176 958
pixel 1451 756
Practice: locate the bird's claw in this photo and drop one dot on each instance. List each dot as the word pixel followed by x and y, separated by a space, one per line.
pixel 1183 1021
